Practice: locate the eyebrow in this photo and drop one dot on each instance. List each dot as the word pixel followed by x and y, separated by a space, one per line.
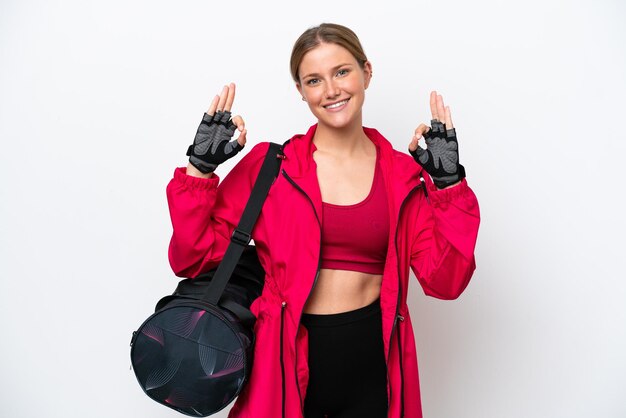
pixel 336 67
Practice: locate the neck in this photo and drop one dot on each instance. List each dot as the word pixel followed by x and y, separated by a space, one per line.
pixel 344 142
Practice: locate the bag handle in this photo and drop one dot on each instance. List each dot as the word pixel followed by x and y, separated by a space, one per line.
pixel 243 233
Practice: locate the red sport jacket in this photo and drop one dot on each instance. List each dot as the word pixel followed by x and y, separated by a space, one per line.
pixel 431 231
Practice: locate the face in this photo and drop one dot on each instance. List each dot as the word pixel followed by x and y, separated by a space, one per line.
pixel 333 84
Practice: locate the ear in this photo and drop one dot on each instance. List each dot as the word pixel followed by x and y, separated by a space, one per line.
pixel 367 69
pixel 299 88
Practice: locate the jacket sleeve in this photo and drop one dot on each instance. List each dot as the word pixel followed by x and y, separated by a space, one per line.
pixel 204 213
pixel 446 229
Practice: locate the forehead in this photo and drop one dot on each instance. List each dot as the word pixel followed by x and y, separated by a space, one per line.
pixel 325 56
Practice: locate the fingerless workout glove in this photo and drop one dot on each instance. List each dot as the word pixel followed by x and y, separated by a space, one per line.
pixel 440 159
pixel 212 145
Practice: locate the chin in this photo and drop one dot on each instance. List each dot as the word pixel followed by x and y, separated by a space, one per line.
pixel 338 121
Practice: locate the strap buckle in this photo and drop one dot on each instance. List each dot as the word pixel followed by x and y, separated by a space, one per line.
pixel 240 237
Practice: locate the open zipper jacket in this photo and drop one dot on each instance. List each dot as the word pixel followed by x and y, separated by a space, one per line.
pixel 431 231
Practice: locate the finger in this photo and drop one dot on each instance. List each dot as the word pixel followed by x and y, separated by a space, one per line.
pixel 231 97
pixel 440 108
pixel 238 121
pixel 421 130
pixel 242 137
pixel 213 105
pixel 223 97
pixel 448 118
pixel 433 105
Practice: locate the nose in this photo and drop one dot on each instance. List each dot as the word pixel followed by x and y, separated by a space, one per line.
pixel 332 89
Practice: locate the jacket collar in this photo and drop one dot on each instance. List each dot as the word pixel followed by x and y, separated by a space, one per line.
pixel 400 172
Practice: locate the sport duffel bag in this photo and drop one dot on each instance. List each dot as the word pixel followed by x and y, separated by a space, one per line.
pixel 194 354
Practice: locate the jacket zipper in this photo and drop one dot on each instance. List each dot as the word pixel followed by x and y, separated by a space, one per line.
pixel 397 315
pixel 401 318
pixel 282 364
pixel 319 260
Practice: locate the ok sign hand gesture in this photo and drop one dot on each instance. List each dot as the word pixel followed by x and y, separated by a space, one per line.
pixel 212 144
pixel 440 159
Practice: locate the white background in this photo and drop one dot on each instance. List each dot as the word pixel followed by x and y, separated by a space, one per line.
pixel 100 99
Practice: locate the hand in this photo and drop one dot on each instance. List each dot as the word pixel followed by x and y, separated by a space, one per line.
pixel 212 145
pixel 440 159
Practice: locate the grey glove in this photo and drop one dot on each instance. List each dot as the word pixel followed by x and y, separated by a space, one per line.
pixel 212 145
pixel 440 159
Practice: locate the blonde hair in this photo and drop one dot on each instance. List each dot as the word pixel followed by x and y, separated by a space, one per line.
pixel 331 33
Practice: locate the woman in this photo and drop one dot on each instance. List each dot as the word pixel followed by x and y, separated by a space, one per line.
pixel 343 222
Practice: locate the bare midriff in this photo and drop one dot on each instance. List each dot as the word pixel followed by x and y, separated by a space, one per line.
pixel 342 290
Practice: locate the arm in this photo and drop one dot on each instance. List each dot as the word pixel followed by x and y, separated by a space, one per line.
pixel 447 219
pixel 204 213
pixel 201 234
pixel 446 229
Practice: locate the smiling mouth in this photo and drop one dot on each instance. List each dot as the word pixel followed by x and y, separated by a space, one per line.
pixel 336 105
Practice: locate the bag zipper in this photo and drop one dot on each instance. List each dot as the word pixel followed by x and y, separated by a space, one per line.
pixel 317 273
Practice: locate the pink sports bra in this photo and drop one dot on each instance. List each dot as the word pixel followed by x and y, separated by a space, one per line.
pixel 354 237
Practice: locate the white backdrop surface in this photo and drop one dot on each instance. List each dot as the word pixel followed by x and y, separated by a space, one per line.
pixel 100 99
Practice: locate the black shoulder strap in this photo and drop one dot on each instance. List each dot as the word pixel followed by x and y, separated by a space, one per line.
pixel 242 234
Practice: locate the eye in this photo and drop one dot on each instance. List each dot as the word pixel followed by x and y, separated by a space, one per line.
pixel 311 81
pixel 343 71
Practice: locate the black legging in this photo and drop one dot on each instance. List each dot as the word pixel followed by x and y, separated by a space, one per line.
pixel 347 368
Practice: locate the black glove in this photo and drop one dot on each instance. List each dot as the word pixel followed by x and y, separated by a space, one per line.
pixel 440 159
pixel 211 145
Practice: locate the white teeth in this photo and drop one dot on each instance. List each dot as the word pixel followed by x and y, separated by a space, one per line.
pixel 332 106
